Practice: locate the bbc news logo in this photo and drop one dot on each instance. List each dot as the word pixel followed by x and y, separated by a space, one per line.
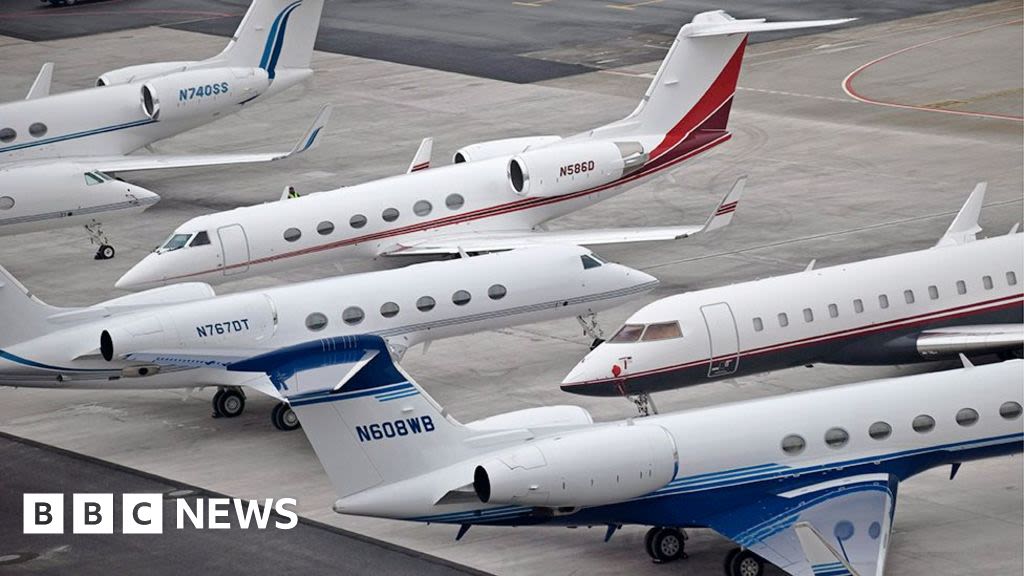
pixel 144 513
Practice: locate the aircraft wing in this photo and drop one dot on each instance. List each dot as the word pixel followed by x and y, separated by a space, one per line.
pixel 836 528
pixel 978 339
pixel 493 241
pixel 207 359
pixel 161 161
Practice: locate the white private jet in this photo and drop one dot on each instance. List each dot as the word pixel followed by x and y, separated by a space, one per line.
pixel 139 341
pixel 806 481
pixel 960 296
pixel 498 194
pixel 57 151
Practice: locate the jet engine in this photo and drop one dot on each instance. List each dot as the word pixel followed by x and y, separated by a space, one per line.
pixel 570 168
pixel 496 148
pixel 140 72
pixel 588 468
pixel 241 322
pixel 201 92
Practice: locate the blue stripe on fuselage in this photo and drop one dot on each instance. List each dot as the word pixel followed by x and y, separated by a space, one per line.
pixel 75 135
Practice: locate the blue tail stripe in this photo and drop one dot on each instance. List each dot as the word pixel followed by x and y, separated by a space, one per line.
pixel 278 45
pixel 272 37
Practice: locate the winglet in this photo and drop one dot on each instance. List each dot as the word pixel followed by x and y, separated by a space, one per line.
pixel 311 138
pixel 421 161
pixel 722 215
pixel 965 226
pixel 41 87
pixel 823 558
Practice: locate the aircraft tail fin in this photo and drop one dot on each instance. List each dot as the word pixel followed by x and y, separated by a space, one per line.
pixel 22 315
pixel 687 104
pixel 368 421
pixel 275 34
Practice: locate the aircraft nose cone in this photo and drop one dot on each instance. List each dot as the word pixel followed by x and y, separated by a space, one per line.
pixel 138 276
pixel 587 369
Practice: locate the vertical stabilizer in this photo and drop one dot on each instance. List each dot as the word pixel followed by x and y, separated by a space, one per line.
pixel 275 34
pixel 22 315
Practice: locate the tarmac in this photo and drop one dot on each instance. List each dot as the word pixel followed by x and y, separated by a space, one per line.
pixel 839 170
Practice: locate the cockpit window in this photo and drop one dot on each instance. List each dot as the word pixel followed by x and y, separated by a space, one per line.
pixel 201 239
pixel 628 333
pixel 175 241
pixel 662 331
pixel 590 262
pixel 93 178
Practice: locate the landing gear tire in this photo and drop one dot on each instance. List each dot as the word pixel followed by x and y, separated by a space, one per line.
pixel 665 544
pixel 743 563
pixel 284 417
pixel 597 342
pixel 106 252
pixel 228 403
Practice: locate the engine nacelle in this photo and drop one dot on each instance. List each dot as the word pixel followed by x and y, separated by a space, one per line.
pixel 535 418
pixel 570 168
pixel 140 72
pixel 241 322
pixel 496 148
pixel 201 93
pixel 588 468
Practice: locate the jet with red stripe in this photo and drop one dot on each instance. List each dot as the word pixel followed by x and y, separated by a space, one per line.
pixel 497 195
pixel 962 296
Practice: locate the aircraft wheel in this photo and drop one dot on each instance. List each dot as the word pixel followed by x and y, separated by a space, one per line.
pixel 228 403
pixel 284 417
pixel 106 252
pixel 668 545
pixel 648 539
pixel 597 342
pixel 743 563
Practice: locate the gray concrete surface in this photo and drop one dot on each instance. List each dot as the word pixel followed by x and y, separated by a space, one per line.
pixel 830 178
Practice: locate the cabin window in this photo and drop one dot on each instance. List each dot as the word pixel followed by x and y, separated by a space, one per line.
pixel 316 322
pixel 933 292
pixel 986 281
pixel 425 304
pixel 8 135
pixel 496 292
pixel 961 287
pixel 880 430
pixel 662 331
pixel 324 228
pixel 93 178
pixel 858 306
pixel 628 333
pixel 454 201
pixel 589 262
pixel 175 241
pixel 389 214
pixel 1010 410
pixel 1011 278
pixel 201 239
pixel 353 315
pixel 783 319
pixel 37 129
pixel 908 296
pixel 389 309
pixel 6 202
pixel 808 315
pixel 923 424
pixel 967 417
pixel 836 438
pixel 833 311
pixel 793 444
pixel 422 208
pixel 292 234
pixel 461 298
pixel 758 325
pixel 357 221
pixel 883 301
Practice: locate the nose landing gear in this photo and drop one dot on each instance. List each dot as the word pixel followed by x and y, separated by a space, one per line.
pixel 591 329
pixel 97 237
pixel 665 544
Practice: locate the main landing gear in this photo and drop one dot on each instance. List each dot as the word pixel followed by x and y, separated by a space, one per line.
pixel 665 544
pixel 741 562
pixel 284 417
pixel 96 236
pixel 591 329
pixel 228 402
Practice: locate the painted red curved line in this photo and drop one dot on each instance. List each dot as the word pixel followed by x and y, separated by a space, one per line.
pixel 49 14
pixel 848 81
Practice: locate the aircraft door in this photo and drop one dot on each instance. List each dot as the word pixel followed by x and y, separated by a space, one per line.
pixel 234 246
pixel 723 339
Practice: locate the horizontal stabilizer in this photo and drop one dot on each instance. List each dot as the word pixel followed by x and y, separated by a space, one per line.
pixel 965 227
pixel 719 23
pixel 308 141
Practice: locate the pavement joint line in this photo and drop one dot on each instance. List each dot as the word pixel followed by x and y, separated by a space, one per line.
pixel 205 493
pixel 796 94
